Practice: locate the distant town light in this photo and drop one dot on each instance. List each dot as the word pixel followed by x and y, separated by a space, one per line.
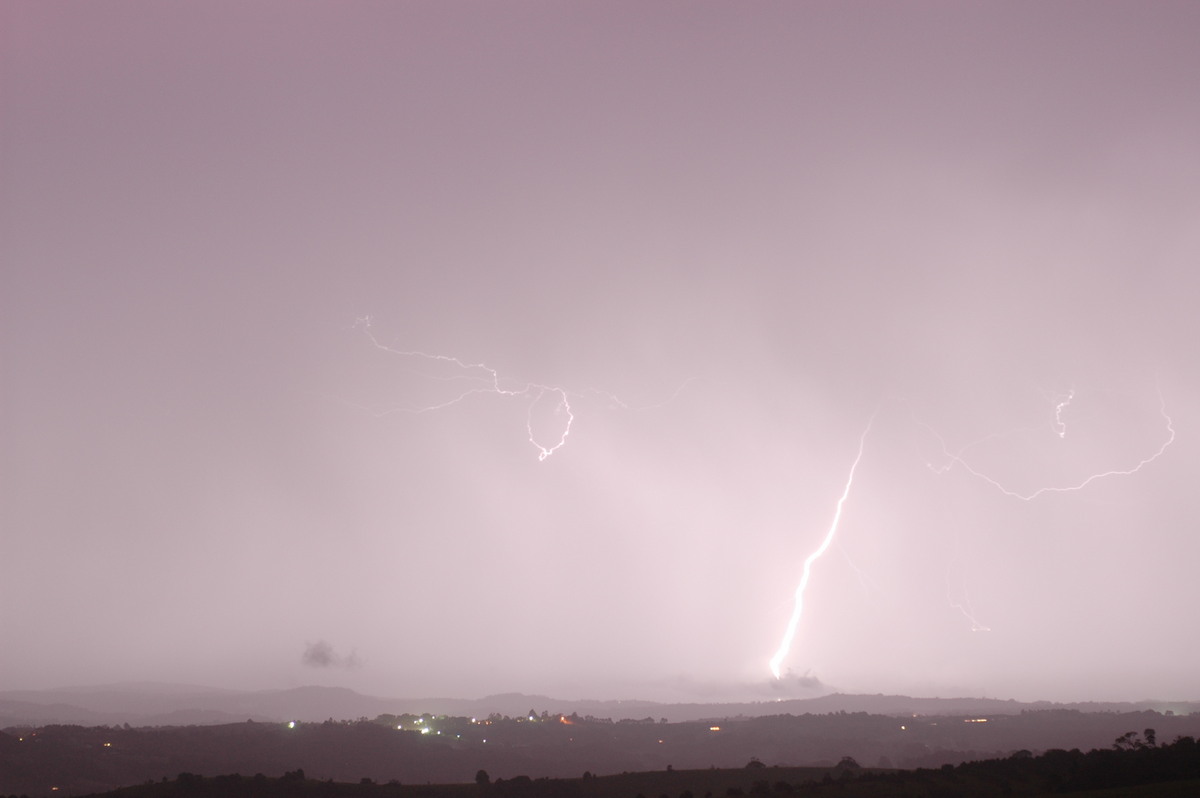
pixel 714 728
pixel 291 724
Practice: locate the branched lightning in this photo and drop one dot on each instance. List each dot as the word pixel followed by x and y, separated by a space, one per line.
pixel 969 614
pixel 487 380
pixel 483 379
pixel 957 459
pixel 864 579
pixel 964 606
pixel 479 378
pixel 798 606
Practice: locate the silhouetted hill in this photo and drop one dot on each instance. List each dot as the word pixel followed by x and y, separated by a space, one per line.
pixel 448 749
pixel 160 705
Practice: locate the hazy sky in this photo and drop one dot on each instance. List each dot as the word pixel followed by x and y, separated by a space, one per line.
pixel 728 233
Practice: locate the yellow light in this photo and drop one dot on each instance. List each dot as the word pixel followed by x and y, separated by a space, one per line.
pixel 714 728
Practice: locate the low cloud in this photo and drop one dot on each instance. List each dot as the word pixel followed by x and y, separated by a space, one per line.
pixel 321 655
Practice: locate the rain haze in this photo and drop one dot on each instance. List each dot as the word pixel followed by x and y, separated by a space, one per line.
pixel 299 301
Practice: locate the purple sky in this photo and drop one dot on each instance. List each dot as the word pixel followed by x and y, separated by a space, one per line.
pixel 755 224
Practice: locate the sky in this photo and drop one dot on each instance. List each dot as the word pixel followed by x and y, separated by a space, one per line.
pixel 294 295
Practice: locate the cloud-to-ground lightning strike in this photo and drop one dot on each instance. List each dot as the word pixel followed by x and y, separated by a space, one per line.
pixel 480 378
pixel 789 634
pixel 964 607
pixel 957 459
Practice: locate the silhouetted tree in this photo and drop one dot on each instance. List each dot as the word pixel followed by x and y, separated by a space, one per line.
pixel 1125 741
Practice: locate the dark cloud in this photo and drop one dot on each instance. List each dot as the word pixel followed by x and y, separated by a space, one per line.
pixel 321 655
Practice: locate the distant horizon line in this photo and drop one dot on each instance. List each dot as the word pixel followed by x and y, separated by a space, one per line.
pixel 182 687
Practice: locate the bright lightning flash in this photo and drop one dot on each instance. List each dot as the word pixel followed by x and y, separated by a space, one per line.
pixel 1060 426
pixel 953 459
pixel 957 459
pixel 484 379
pixel 798 608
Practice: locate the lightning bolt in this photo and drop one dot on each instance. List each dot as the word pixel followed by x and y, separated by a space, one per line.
pixel 953 459
pixel 480 378
pixel 868 584
pixel 965 607
pixel 957 459
pixel 1060 426
pixel 789 633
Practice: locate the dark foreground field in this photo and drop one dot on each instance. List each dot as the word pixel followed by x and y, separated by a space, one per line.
pixel 1131 771
pixel 553 756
